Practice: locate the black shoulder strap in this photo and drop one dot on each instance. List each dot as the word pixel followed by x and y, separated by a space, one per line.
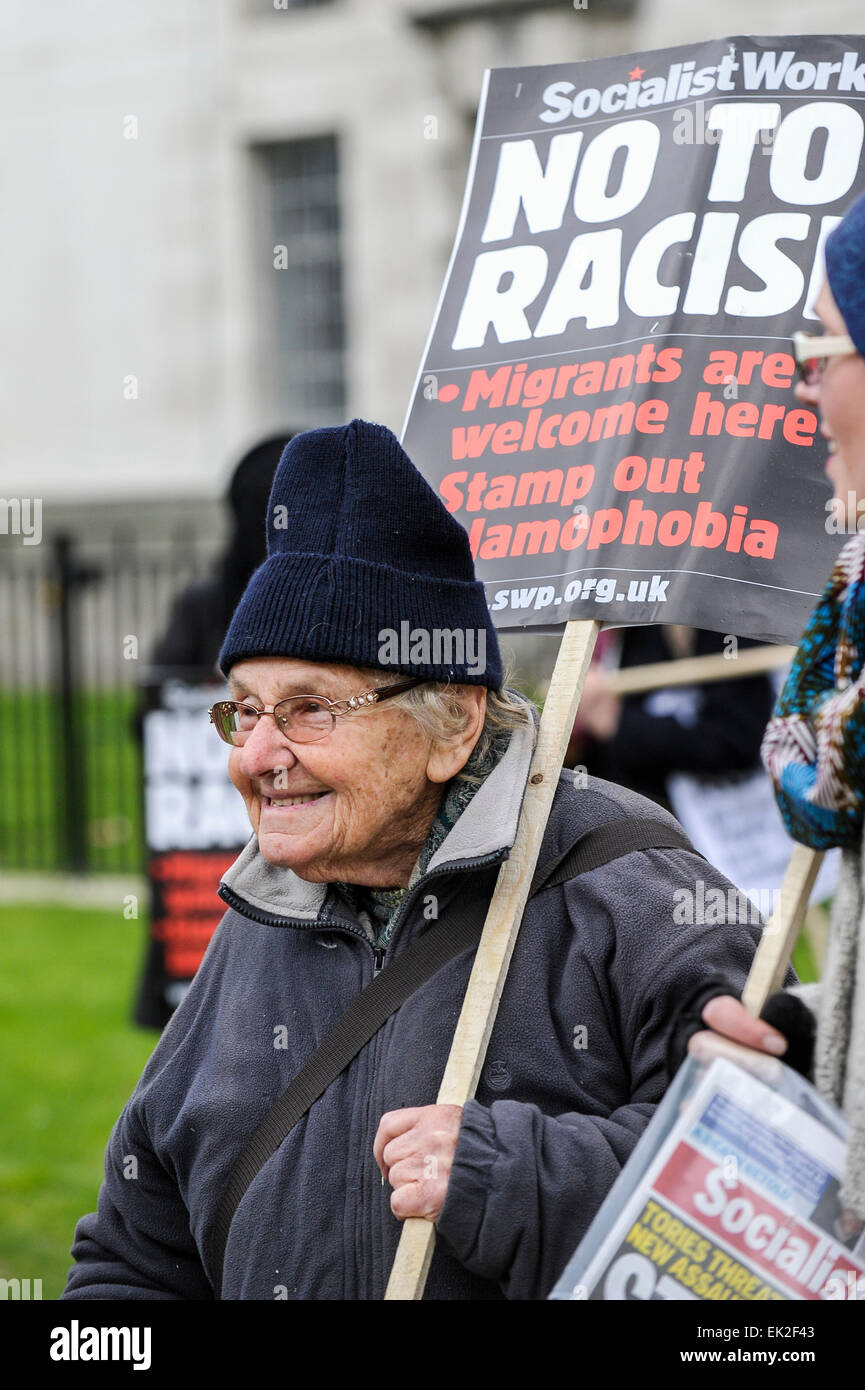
pixel 367 1012
pixel 394 985
pixel 607 842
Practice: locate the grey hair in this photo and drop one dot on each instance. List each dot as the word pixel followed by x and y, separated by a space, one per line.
pixel 438 709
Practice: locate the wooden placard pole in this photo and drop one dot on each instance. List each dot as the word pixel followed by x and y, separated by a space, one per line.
pixel 770 962
pixel 698 670
pixel 490 968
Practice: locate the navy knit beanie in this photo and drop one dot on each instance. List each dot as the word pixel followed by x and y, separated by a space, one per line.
pixel 365 567
pixel 845 270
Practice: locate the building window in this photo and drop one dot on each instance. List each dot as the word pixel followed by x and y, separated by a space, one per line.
pixel 306 309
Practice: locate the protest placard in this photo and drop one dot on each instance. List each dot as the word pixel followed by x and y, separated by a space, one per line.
pixel 639 239
pixel 605 398
pixel 195 826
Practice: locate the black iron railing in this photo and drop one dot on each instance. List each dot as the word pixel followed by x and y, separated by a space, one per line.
pixel 77 629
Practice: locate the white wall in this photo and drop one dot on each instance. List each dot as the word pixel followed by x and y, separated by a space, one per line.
pixel 139 257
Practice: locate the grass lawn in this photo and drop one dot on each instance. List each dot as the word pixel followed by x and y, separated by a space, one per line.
pixel 803 961
pixel 70 1060
pixel 32 750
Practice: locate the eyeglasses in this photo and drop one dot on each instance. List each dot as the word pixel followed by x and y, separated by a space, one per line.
pixel 299 718
pixel 812 353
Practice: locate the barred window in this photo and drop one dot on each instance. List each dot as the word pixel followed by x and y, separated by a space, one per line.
pixel 307 315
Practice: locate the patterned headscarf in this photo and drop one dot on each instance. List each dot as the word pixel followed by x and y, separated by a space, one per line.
pixel 814 752
pixel 845 270
pixel 814 746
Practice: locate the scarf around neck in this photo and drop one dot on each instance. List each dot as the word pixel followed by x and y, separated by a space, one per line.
pixel 814 745
pixel 382 905
pixel 814 752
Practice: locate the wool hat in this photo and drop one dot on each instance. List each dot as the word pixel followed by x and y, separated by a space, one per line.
pixel 845 270
pixel 365 567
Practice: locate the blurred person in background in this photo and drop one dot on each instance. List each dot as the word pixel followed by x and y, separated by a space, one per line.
pixel 188 650
pixel 814 748
pixel 201 613
pixel 638 741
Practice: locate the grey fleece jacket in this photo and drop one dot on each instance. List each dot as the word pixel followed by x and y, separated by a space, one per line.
pixel 574 1069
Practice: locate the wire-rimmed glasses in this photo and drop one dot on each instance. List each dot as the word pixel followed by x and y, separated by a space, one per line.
pixel 299 718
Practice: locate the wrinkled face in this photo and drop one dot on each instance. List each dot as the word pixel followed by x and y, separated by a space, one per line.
pixel 839 397
pixel 355 807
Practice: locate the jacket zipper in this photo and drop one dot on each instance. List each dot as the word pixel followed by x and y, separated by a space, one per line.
pixel 271 919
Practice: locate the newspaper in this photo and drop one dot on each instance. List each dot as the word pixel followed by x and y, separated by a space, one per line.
pixel 731 1194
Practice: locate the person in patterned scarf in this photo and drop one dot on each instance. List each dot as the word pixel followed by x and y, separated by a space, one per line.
pixel 814 746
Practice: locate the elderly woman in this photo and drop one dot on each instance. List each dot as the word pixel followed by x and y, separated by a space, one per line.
pixel 815 743
pixel 384 783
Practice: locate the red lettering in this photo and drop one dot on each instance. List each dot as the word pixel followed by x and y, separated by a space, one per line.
pixel 748 361
pixel 507 437
pixel 674 528
pixel 630 473
pixel 578 481
pixel 575 427
pixel 778 370
pixel 530 537
pixel 531 429
pixel 482 387
pixel 574 531
pixel 741 419
pixel 720 368
pixel 710 527
pixel 800 426
pixel 771 415
pixel 471 440
pixel 450 493
pixel 639 519
pixel 651 417
pixel 605 527
pixel 546 433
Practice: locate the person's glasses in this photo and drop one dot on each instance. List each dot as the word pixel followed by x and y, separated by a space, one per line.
pixel 299 718
pixel 813 351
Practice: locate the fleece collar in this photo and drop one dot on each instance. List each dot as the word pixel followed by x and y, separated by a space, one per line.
pixel 486 828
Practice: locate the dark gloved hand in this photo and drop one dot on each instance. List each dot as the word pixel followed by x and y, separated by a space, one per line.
pixel 783 1011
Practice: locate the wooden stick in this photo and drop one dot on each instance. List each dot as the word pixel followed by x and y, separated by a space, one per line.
pixel 769 965
pixel 699 670
pixel 487 979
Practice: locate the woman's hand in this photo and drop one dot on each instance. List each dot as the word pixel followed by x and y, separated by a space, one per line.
pixel 414 1148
